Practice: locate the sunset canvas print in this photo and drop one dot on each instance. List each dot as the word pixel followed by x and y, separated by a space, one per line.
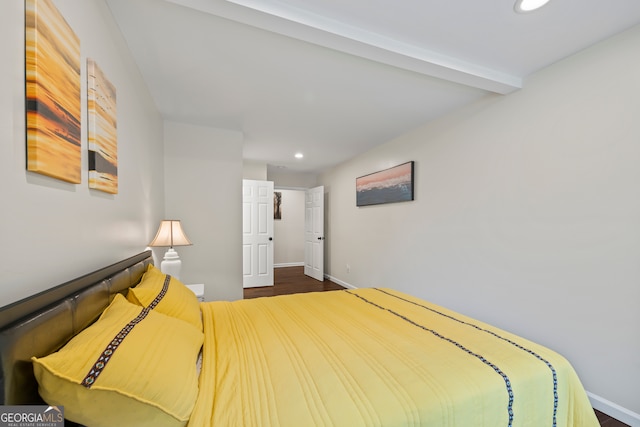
pixel 103 138
pixel 387 186
pixel 52 66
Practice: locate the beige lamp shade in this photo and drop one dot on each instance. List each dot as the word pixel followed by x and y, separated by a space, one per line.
pixel 170 234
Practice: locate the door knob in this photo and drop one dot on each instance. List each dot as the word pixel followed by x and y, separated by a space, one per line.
pixel 270 238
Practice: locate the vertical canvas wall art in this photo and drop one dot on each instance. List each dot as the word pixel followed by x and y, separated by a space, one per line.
pixel 52 66
pixel 102 136
pixel 387 186
pixel 277 205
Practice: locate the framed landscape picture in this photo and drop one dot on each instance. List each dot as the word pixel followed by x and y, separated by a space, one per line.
pixel 386 186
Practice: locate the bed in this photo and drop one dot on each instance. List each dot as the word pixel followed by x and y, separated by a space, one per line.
pixel 127 345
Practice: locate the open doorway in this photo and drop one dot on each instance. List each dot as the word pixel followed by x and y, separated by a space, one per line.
pixel 299 230
pixel 288 229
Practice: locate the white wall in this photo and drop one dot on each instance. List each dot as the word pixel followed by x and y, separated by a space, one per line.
pixel 203 180
pixel 53 231
pixel 527 215
pixel 256 171
pixel 288 232
pixel 297 180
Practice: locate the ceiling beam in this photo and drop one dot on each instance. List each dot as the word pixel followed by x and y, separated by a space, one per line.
pixel 319 30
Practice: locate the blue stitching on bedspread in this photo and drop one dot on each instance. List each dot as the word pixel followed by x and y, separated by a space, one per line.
pixel 108 352
pixel 531 352
pixel 457 344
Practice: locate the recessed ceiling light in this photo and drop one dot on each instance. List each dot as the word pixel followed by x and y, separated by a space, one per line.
pixel 524 6
pixel 299 155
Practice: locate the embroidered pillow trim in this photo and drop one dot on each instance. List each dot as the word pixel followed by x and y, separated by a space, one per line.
pixel 108 352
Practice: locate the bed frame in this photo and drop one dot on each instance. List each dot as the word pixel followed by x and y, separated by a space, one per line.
pixel 44 322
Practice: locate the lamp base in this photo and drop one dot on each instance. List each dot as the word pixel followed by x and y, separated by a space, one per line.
pixel 171 263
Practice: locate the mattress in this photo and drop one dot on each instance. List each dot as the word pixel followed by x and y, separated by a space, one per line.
pixel 375 357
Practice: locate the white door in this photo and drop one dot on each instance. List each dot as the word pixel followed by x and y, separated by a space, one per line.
pixel 257 233
pixel 314 233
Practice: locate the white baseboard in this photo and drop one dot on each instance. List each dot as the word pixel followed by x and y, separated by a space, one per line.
pixel 289 264
pixel 614 410
pixel 340 282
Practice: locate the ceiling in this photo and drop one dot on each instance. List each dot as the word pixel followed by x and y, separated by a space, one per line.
pixel 334 78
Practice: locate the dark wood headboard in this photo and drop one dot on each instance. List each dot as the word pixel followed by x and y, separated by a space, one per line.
pixel 44 322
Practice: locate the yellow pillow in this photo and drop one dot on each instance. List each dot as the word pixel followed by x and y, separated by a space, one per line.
pixel 148 375
pixel 178 301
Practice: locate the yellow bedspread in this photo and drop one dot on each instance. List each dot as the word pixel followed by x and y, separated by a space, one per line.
pixel 375 357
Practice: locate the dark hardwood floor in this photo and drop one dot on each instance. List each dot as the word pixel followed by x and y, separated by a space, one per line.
pixel 291 280
pixel 607 421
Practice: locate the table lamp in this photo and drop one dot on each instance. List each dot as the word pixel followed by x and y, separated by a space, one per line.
pixel 170 234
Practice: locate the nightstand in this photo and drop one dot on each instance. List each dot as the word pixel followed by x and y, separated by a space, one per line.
pixel 198 289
